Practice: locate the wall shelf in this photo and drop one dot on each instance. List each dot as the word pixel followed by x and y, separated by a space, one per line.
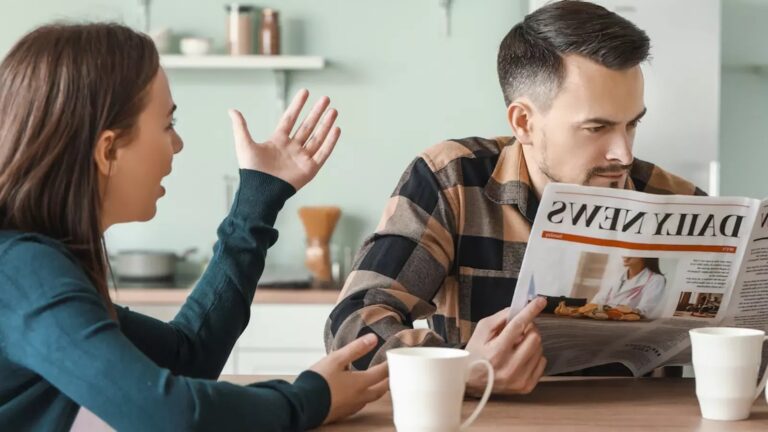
pixel 279 65
pixel 282 62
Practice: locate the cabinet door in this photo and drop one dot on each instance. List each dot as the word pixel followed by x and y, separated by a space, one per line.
pixel 681 130
pixel 286 326
pixel 282 339
pixel 252 361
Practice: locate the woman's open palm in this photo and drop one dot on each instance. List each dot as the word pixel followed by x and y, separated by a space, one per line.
pixel 295 159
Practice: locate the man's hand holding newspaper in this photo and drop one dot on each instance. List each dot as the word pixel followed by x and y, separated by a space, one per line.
pixel 514 349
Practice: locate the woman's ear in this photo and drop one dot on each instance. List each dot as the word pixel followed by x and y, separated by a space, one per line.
pixel 105 153
pixel 520 116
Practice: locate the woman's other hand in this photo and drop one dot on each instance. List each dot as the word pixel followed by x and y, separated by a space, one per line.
pixel 352 390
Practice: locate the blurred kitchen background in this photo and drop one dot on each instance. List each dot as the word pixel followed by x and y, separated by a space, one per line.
pixel 405 74
pixel 400 84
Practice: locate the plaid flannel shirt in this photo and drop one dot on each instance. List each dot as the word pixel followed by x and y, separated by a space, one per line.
pixel 450 245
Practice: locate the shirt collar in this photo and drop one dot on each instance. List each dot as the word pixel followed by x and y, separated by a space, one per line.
pixel 510 182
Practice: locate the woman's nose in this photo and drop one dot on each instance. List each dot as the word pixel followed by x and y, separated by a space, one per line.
pixel 178 144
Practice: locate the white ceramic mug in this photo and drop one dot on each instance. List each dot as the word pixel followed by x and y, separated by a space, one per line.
pixel 427 387
pixel 726 362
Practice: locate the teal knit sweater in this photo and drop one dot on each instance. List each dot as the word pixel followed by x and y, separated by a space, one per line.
pixel 60 350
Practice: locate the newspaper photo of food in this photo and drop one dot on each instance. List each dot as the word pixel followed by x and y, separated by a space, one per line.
pixel 598 312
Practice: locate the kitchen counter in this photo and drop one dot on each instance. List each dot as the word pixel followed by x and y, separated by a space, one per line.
pixel 265 295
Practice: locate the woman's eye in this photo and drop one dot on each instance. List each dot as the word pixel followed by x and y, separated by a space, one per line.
pixel 172 124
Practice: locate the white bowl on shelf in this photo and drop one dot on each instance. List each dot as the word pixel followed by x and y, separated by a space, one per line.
pixel 195 46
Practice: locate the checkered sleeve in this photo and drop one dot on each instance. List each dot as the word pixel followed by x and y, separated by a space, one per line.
pixel 398 270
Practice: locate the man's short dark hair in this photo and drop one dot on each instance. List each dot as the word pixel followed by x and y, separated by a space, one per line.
pixel 530 59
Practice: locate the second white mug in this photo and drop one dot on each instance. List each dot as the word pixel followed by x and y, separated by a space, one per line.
pixel 726 362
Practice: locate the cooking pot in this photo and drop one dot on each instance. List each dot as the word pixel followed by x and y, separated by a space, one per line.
pixel 147 265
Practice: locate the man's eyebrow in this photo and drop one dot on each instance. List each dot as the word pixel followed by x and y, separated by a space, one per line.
pixel 608 122
pixel 639 116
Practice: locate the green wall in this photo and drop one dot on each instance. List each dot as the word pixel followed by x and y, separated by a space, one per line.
pixel 744 101
pixel 400 85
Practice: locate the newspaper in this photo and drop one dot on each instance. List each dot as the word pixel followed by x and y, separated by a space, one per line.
pixel 626 274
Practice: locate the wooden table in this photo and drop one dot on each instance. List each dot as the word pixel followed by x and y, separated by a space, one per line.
pixel 581 404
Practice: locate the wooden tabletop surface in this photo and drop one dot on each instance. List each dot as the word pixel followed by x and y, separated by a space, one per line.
pixel 581 404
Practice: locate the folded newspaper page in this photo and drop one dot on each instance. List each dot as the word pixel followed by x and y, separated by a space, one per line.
pixel 626 274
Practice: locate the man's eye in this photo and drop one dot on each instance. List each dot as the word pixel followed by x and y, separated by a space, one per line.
pixel 594 129
pixel 633 125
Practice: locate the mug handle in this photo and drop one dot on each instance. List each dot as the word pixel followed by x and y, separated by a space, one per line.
pixel 486 393
pixel 763 380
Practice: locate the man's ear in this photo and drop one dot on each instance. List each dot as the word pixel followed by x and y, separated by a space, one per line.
pixel 105 152
pixel 520 118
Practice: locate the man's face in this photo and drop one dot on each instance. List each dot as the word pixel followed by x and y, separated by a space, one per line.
pixel 587 134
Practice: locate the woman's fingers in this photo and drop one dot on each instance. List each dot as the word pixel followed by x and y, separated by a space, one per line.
pixel 374 375
pixel 321 133
pixel 239 127
pixel 354 350
pixel 308 125
pixel 375 392
pixel 288 120
pixel 326 149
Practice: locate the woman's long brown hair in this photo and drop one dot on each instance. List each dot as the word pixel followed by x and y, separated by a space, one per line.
pixel 61 86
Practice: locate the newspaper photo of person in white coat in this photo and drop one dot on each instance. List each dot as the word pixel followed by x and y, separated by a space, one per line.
pixel 640 286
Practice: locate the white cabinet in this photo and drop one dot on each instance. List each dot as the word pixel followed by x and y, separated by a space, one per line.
pixel 286 326
pixel 681 131
pixel 281 339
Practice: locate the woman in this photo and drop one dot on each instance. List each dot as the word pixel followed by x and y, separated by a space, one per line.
pixel 641 286
pixel 86 136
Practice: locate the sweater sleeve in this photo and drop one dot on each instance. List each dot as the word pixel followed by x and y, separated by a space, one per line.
pixel 56 325
pixel 198 341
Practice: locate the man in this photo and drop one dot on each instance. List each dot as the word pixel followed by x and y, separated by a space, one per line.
pixel 452 238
